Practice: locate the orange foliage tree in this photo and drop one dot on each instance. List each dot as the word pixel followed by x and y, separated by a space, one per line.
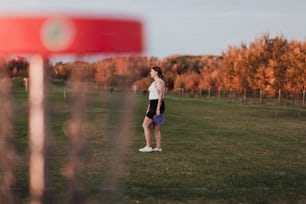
pixel 18 67
pixel 269 64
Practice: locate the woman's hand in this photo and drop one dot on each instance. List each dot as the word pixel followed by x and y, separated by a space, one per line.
pixel 158 112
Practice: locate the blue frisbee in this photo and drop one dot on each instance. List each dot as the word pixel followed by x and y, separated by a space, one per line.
pixel 158 119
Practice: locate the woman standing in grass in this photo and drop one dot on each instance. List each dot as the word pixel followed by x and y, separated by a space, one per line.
pixel 156 107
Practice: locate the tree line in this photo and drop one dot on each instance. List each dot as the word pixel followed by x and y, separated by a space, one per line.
pixel 269 65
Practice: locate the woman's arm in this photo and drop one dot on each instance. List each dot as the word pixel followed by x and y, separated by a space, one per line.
pixel 160 89
pixel 148 108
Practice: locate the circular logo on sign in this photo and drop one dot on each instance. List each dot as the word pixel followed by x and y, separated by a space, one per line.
pixel 57 34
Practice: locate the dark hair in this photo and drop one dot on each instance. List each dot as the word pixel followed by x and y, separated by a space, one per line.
pixel 159 71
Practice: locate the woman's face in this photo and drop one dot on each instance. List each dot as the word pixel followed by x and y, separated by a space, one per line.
pixel 153 73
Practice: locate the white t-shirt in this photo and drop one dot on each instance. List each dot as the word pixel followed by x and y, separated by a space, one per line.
pixel 153 93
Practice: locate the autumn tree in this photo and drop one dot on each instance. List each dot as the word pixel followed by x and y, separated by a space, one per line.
pixel 18 67
pixel 268 64
pixel 233 69
pixel 210 73
pixel 260 74
pixel 105 70
pixel 60 71
pixel 296 69
pixel 81 70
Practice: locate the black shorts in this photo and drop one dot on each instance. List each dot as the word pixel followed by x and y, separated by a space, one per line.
pixel 153 106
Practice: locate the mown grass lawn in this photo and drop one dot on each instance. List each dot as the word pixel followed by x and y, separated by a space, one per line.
pixel 222 151
pixel 214 151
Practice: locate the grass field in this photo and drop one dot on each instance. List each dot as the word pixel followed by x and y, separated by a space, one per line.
pixel 214 151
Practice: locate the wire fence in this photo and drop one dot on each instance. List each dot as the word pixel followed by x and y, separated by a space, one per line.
pixel 247 96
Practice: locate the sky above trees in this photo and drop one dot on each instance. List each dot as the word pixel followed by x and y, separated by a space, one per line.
pixel 192 27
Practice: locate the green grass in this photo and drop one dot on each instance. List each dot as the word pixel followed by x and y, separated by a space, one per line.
pixel 218 151
pixel 214 151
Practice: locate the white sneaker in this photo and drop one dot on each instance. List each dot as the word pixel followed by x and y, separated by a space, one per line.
pixel 146 149
pixel 157 149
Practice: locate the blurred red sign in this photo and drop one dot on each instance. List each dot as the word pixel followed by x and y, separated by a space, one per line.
pixel 69 34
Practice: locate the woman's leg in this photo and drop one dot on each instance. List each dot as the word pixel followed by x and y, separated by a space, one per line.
pixel 146 129
pixel 157 135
